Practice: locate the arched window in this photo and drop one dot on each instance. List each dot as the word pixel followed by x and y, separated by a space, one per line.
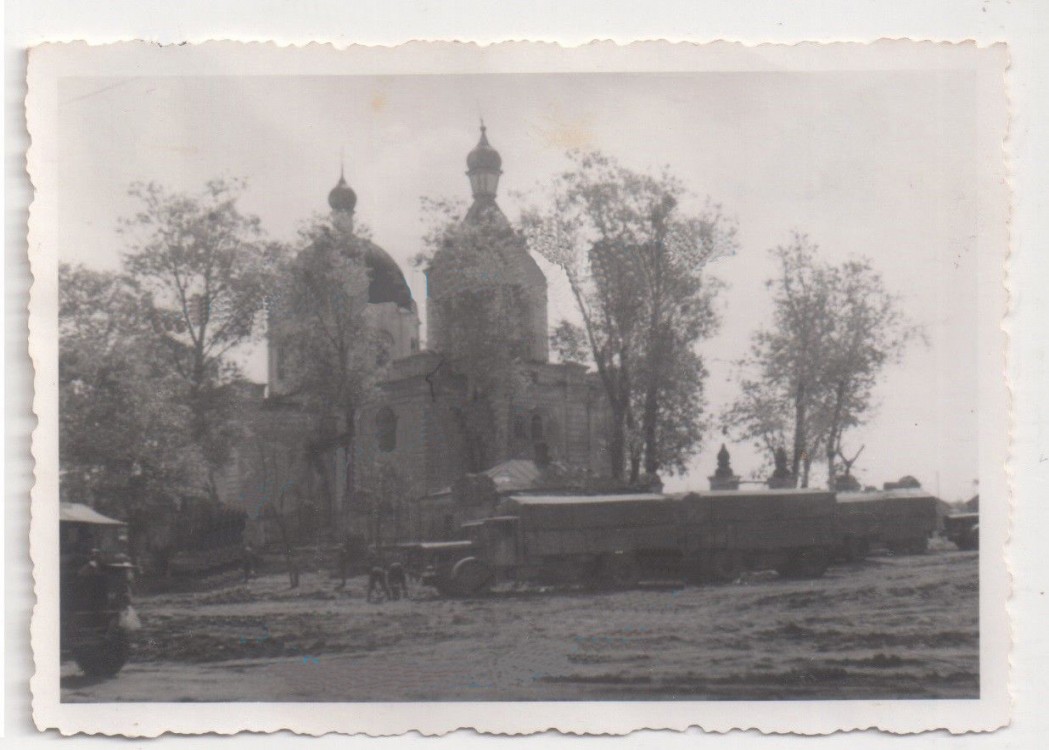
pixel 537 428
pixel 386 429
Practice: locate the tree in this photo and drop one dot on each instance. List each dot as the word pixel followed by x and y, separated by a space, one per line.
pixel 124 441
pixel 481 303
pixel 811 375
pixel 203 270
pixel 387 490
pixel 319 319
pixel 273 475
pixel 636 265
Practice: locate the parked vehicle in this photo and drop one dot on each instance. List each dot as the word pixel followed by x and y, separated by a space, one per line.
pixel 437 564
pixel 900 520
pixel 963 529
pixel 615 541
pixel 95 576
pixel 791 531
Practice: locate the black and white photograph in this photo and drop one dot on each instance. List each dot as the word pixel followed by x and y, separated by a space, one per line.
pixel 503 385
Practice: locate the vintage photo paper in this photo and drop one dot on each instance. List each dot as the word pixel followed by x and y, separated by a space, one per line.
pixel 519 387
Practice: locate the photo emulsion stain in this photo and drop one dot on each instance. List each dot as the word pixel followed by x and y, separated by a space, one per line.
pixel 641 387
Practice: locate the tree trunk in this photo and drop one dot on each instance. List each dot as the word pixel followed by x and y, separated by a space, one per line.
pixel 289 556
pixel 830 468
pixel 650 415
pixel 350 493
pixel 649 426
pixel 617 442
pixel 834 432
pixel 318 455
pixel 799 430
pixel 635 468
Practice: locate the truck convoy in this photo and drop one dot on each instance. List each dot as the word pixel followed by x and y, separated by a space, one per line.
pixel 614 541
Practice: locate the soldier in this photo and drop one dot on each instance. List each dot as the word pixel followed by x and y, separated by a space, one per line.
pixel 397 580
pixel 248 562
pixel 92 583
pixel 376 575
pixel 343 563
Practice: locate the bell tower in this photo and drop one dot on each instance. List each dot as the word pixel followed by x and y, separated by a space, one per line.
pixel 511 271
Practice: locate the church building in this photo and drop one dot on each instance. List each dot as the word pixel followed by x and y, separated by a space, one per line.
pixel 424 427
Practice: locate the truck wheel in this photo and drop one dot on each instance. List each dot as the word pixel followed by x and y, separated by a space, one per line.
pixel 621 571
pixel 725 566
pixel 470 576
pixel 104 659
pixel 807 563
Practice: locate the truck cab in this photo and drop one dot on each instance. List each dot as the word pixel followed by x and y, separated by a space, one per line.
pixel 95 576
pixel 497 541
pixel 963 529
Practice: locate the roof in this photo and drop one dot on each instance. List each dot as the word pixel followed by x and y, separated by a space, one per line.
pixel 79 513
pixel 860 497
pixel 387 282
pixel 581 499
pixel 761 491
pixel 485 211
pixel 440 545
pixel 342 197
pixel 515 474
pixel 483 156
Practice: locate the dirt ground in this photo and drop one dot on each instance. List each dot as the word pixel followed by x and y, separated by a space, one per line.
pixel 891 627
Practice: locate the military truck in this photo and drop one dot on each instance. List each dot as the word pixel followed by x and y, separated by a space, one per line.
pixel 963 529
pixel 901 520
pixel 95 576
pixel 447 566
pixel 791 531
pixel 615 541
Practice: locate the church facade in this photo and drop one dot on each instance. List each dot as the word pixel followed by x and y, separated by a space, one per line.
pixel 423 431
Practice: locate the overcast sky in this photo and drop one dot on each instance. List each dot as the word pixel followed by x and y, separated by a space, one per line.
pixel 878 164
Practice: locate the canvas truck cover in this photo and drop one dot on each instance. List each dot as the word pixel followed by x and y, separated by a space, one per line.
pixel 758 520
pixel 859 501
pixel 595 524
pixel 592 511
pixel 887 513
pixel 80 513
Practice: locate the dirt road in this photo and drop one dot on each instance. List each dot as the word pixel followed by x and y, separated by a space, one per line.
pixel 887 628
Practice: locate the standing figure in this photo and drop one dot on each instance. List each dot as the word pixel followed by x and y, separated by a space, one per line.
pixel 343 563
pixel 376 575
pixel 398 581
pixel 248 562
pixel 91 584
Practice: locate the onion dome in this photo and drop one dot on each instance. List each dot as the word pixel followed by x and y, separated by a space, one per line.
pixel 387 282
pixel 483 168
pixel 484 157
pixel 342 197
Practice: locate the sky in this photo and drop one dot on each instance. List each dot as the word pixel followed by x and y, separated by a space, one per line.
pixel 875 164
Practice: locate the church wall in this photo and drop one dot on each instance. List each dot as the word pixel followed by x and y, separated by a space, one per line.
pixel 402 327
pixel 426 446
pixel 571 409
